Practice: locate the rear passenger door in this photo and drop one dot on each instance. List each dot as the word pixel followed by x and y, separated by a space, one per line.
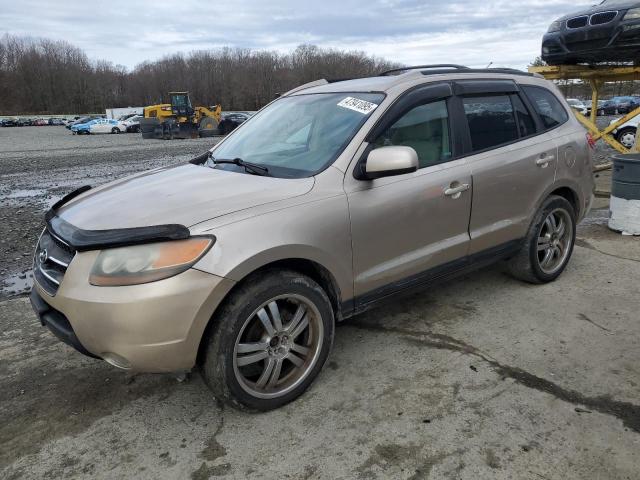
pixel 512 163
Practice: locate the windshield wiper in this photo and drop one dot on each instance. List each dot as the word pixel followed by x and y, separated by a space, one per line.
pixel 248 166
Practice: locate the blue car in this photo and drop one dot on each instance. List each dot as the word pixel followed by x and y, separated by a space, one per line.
pixel 83 128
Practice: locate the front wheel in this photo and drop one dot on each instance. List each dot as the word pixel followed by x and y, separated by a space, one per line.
pixel 115 130
pixel 549 243
pixel 269 341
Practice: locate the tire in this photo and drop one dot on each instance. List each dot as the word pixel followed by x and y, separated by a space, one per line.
pixel 627 137
pixel 208 127
pixel 115 130
pixel 240 321
pixel 529 263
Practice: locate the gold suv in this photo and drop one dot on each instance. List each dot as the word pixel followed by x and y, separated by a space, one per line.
pixel 332 198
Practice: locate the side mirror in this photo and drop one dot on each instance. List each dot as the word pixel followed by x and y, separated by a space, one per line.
pixel 390 161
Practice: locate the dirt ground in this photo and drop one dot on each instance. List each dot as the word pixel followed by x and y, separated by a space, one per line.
pixel 480 378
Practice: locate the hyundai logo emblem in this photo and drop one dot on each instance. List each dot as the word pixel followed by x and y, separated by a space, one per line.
pixel 43 256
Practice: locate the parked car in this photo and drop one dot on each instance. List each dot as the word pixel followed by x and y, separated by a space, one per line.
pixel 608 32
pixel 588 104
pixel 133 123
pixel 25 122
pixel 104 125
pixel 40 122
pixel 81 120
pixel 56 121
pixel 619 105
pixel 626 133
pixel 82 128
pixel 10 122
pixel 333 198
pixel 577 105
pixel 230 121
pixel 99 125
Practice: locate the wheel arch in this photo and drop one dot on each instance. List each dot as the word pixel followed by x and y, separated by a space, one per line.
pixel 566 189
pixel 305 266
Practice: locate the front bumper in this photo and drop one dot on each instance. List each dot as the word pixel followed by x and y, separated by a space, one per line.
pixel 619 41
pixel 153 327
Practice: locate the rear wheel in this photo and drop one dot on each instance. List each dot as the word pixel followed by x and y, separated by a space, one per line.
pixel 627 137
pixel 269 341
pixel 548 245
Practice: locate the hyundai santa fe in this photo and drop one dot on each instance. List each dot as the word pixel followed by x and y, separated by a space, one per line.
pixel 331 199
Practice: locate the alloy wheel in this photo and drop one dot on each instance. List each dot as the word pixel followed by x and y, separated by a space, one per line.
pixel 277 346
pixel 554 241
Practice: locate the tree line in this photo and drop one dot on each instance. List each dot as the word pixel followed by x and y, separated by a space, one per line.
pixel 42 76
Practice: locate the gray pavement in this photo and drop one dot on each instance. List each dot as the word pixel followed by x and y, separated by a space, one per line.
pixel 480 378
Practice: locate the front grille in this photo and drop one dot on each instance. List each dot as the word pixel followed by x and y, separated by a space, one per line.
pixel 51 260
pixel 578 22
pixel 602 18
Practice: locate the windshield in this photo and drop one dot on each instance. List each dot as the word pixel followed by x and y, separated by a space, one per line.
pixel 298 136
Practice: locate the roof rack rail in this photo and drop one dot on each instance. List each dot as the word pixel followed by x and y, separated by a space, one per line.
pixel 509 71
pixel 420 67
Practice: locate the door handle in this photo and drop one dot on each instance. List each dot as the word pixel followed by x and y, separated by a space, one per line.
pixel 456 191
pixel 545 160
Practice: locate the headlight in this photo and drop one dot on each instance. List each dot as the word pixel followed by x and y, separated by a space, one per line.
pixel 147 263
pixel 633 14
pixel 555 26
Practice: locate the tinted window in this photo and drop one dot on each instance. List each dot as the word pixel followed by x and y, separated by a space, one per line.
pixel 549 108
pixel 491 121
pixel 425 129
pixel 525 121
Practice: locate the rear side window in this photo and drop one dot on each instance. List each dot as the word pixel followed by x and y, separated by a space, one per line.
pixel 492 121
pixel 525 121
pixel 549 108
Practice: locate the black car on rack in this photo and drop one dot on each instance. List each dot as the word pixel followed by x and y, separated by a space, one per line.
pixel 608 32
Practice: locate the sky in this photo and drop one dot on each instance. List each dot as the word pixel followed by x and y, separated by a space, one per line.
pixel 413 32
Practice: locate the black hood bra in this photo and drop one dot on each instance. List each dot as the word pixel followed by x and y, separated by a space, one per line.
pixel 82 240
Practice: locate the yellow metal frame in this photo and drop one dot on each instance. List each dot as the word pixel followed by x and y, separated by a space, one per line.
pixel 597 76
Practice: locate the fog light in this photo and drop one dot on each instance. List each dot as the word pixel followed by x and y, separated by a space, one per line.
pixel 116 360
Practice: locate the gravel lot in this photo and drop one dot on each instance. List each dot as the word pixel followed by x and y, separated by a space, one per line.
pixel 481 378
pixel 39 165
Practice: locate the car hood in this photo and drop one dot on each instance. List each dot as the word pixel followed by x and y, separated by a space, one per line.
pixel 601 8
pixel 185 195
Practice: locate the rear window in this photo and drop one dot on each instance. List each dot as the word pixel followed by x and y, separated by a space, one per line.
pixel 492 121
pixel 549 108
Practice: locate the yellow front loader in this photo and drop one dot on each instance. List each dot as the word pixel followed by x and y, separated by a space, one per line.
pixel 179 119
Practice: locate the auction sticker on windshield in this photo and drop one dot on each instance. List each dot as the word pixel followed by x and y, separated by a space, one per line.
pixel 358 105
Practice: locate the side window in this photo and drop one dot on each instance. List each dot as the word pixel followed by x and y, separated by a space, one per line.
pixel 526 124
pixel 492 121
pixel 424 128
pixel 549 108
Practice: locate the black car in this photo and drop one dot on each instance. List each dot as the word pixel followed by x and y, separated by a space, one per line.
pixel 10 122
pixel 230 121
pixel 619 105
pixel 608 32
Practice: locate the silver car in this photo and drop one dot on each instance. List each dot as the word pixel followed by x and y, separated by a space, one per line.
pixel 331 199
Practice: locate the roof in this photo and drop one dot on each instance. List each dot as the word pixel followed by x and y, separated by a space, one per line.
pixel 412 75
